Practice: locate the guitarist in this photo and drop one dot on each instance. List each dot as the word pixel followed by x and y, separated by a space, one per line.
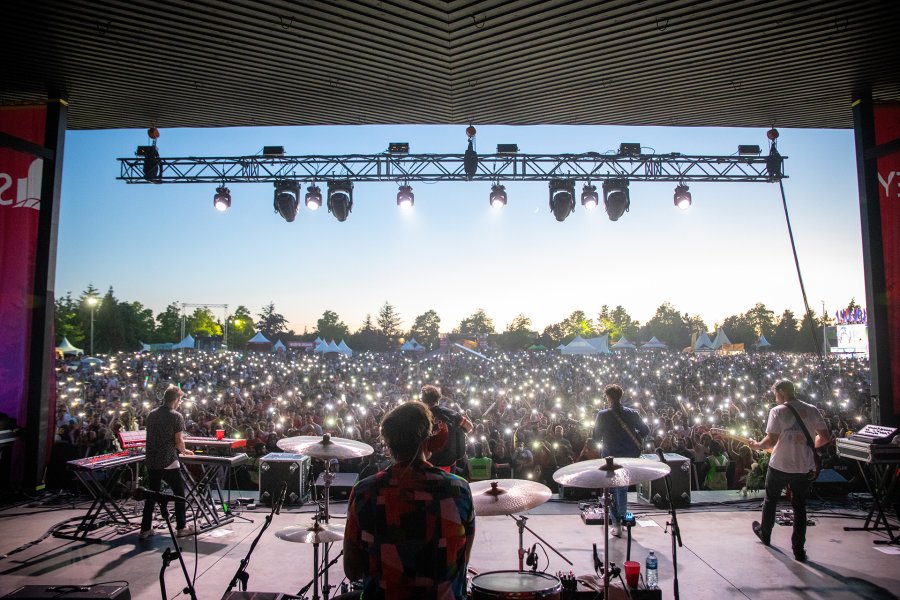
pixel 789 432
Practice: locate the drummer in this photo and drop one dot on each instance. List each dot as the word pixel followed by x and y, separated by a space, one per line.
pixel 410 527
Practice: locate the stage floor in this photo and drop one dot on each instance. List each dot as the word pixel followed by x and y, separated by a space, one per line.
pixel 721 557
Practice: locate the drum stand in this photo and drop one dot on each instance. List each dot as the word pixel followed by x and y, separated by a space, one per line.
pixel 605 567
pixel 520 522
pixel 328 478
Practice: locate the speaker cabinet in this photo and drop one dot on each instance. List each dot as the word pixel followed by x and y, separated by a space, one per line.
pixel 655 491
pixel 279 467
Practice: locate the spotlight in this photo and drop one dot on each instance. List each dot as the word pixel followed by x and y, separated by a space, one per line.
pixel 287 194
pixel 405 197
pixel 589 197
pixel 470 160
pixel 398 148
pixel 271 151
pixel 222 199
pixel 152 164
pixel 498 196
pixel 562 198
pixel 313 197
pixel 682 197
pixel 629 149
pixel 615 198
pixel 748 150
pixel 340 199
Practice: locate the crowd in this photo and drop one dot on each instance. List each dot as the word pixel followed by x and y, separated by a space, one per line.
pixel 532 412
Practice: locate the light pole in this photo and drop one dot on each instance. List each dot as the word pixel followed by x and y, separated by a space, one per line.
pixel 92 301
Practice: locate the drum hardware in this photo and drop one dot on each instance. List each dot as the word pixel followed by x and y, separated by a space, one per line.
pixel 515 585
pixel 520 523
pixel 608 473
pixel 241 576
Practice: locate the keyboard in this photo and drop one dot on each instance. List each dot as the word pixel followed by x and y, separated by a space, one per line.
pixel 106 461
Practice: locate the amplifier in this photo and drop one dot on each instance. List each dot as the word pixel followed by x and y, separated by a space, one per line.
pixel 279 467
pixel 655 491
pixel 340 486
pixel 575 493
pixel 79 592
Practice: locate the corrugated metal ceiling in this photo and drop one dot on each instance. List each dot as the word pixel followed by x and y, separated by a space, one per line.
pixel 272 62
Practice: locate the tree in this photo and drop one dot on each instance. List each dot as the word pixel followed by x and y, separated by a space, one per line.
pixel 552 336
pixel 109 329
pixel 271 323
pixel 138 324
pixel 669 326
pixel 476 323
pixel 784 336
pixel 762 320
pixel 809 338
pixel 68 321
pixel 330 327
pixel 240 327
pixel 618 323
pixel 202 323
pixel 368 337
pixel 426 329
pixel 739 329
pixel 389 321
pixel 168 329
pixel 577 323
pixel 518 334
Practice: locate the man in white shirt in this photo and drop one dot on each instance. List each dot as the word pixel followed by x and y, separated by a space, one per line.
pixel 791 462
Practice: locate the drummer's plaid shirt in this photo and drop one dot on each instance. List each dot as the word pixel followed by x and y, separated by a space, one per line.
pixel 414 523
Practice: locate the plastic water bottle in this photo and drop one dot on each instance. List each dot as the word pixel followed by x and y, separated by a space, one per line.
pixel 652 571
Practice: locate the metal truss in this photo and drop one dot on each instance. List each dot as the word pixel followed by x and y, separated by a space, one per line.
pixel 402 168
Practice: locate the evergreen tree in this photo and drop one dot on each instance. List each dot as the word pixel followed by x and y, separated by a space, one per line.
pixel 168 329
pixel 426 329
pixel 330 327
pixel 784 336
pixel 109 328
pixel 389 321
pixel 271 323
pixel 476 323
pixel 67 319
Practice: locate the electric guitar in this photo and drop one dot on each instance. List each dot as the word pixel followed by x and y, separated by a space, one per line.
pixel 817 457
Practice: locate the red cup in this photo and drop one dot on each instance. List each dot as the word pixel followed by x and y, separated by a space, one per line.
pixel 632 573
pixel 220 433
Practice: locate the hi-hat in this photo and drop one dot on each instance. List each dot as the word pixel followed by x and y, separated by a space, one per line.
pixel 507 496
pixel 317 533
pixel 325 447
pixel 610 472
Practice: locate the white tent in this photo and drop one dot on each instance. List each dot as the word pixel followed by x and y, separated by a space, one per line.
pixel 187 342
pixel 345 349
pixel 600 343
pixel 259 338
pixel 319 340
pixel 332 347
pixel 66 347
pixel 321 346
pixel 721 339
pixel 412 346
pixel 580 346
pixel 703 344
pixel 654 344
pixel 623 344
pixel 279 346
pixel 762 342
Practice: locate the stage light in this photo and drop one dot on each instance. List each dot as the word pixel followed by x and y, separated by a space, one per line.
pixel 287 199
pixel 682 197
pixel 498 196
pixel 398 148
pixel 152 164
pixel 589 198
pixel 629 149
pixel 222 199
pixel 470 160
pixel 616 198
pixel 313 197
pixel 340 199
pixel 562 198
pixel 405 197
pixel 273 151
pixel 748 150
pixel 507 148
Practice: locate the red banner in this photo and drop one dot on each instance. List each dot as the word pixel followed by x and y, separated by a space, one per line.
pixel 887 128
pixel 20 193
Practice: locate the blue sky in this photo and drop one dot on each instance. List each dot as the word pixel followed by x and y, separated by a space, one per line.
pixel 453 253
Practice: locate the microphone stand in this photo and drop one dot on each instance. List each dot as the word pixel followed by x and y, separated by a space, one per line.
pixel 241 574
pixel 673 524
pixel 170 555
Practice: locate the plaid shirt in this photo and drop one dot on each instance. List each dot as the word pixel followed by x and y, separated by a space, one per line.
pixel 413 522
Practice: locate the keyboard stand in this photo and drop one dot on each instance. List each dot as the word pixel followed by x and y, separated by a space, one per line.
pixel 101 490
pixel 198 493
pixel 880 481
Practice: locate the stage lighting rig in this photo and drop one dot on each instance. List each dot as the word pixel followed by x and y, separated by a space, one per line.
pixel 498 196
pixel 616 198
pixel 222 199
pixel 562 198
pixel 682 197
pixel 405 197
pixel 152 165
pixel 589 198
pixel 340 199
pixel 287 202
pixel 470 161
pixel 313 197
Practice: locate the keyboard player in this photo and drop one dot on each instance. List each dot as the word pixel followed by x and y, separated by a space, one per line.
pixel 165 442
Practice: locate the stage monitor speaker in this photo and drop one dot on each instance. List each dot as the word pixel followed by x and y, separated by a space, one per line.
pixel 830 483
pixel 340 487
pixel 655 491
pixel 575 493
pixel 276 468
pixel 75 592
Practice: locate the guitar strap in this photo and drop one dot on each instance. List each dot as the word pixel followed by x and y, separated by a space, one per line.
pixel 809 439
pixel 628 430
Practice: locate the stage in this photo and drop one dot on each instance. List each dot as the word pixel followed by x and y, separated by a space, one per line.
pixel 721 557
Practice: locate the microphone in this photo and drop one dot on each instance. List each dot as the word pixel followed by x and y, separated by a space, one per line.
pixel 284 487
pixel 661 455
pixel 532 556
pixel 142 493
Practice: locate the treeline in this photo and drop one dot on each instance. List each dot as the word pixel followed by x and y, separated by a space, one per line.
pixel 123 325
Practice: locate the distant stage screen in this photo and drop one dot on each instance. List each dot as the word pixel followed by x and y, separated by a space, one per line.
pixel 852 338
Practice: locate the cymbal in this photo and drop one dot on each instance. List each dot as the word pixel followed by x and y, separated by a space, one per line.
pixel 317 533
pixel 507 496
pixel 325 447
pixel 610 472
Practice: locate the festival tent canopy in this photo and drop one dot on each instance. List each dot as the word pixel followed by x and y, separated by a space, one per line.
pixel 332 347
pixel 187 342
pixel 654 344
pixel 762 342
pixel 321 346
pixel 66 347
pixel 703 344
pixel 259 338
pixel 600 343
pixel 412 346
pixel 580 346
pixel 623 344
pixel 345 349
pixel 279 346
pixel 721 339
pixel 537 347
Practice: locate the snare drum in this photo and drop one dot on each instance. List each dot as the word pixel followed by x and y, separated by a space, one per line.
pixel 515 585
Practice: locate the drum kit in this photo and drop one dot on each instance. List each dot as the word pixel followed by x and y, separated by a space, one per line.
pixel 490 498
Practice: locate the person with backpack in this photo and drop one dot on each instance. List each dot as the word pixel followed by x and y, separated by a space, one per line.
pixel 458 425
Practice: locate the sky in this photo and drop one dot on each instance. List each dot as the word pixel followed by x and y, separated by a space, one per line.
pixel 452 252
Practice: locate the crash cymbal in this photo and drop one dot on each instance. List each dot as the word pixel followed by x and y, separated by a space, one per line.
pixel 317 533
pixel 507 496
pixel 325 447
pixel 610 472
